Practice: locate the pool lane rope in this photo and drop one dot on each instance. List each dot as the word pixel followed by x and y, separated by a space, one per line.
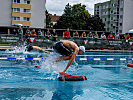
pixel 76 59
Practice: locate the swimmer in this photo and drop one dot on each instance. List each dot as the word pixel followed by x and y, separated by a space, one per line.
pixel 68 50
pixel 30 48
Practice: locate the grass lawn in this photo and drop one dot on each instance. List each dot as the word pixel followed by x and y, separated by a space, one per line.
pixel 5 44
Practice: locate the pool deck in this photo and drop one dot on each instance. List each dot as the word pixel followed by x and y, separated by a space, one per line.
pixel 91 50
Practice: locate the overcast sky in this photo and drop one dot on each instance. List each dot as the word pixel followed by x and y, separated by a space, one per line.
pixel 57 6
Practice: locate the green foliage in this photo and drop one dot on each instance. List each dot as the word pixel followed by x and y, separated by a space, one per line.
pixel 77 17
pixel 95 23
pixel 74 17
pixel 48 20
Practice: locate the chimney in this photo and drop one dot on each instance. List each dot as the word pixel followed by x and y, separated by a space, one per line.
pixel 54 14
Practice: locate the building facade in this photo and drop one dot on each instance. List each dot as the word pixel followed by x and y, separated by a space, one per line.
pixel 116 14
pixel 29 13
pixel 54 19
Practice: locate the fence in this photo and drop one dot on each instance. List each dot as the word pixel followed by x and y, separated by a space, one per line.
pixel 117 44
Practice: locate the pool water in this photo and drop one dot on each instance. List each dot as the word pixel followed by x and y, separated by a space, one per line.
pixel 106 80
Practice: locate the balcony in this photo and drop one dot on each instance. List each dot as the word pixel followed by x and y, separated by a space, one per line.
pixel 25 6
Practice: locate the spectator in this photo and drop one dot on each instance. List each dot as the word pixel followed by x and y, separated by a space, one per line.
pixel 47 34
pixel 27 32
pixel 96 35
pixel 14 31
pixel 83 35
pixel 110 36
pixel 122 36
pixel 39 32
pixel 127 37
pixel 20 31
pixel 33 33
pixel 66 33
pixel 76 34
pixel 117 36
pixel 54 35
pixel 103 36
pixel 90 35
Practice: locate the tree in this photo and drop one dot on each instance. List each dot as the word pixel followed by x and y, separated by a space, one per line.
pixel 77 17
pixel 65 20
pixel 80 15
pixel 95 23
pixel 48 20
pixel 74 17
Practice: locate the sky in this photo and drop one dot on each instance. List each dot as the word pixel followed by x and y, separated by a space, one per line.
pixel 57 6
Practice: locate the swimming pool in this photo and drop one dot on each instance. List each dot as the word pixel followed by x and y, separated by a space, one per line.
pixel 106 79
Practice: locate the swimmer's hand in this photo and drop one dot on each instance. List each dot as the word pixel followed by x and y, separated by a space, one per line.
pixel 65 74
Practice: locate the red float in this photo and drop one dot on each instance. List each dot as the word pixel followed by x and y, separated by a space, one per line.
pixel 68 77
pixel 37 66
pixel 130 65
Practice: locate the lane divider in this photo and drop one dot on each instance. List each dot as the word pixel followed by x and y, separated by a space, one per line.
pixel 77 59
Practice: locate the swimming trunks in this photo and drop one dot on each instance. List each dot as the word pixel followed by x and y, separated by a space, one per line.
pixel 61 49
pixel 29 48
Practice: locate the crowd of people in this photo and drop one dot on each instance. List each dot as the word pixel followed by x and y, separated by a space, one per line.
pixel 67 33
pixel 95 35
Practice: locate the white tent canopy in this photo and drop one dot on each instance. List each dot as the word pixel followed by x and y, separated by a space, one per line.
pixel 130 31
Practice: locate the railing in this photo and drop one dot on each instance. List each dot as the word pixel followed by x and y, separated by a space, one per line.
pixel 89 43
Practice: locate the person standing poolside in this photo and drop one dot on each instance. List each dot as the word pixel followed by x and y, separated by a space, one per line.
pixel 47 34
pixel 117 36
pixel 27 32
pixel 33 32
pixel 76 34
pixel 68 50
pixel 54 35
pixel 83 35
pixel 103 36
pixel 67 33
pixel 90 35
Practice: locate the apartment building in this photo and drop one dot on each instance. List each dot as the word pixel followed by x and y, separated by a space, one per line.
pixel 116 14
pixel 29 13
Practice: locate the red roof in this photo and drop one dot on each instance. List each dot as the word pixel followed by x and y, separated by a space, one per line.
pixel 54 18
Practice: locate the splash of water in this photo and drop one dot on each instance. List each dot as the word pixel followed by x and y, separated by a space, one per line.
pixel 50 68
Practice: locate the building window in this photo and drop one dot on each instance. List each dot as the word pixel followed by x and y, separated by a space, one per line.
pixel 16 9
pixel 105 19
pixel 26 2
pixel 120 31
pixel 26 26
pixel 111 18
pixel 26 19
pixel 27 10
pixel 121 9
pixel 121 17
pixel 122 1
pixel 120 24
pixel 16 1
pixel 16 18
pixel 111 11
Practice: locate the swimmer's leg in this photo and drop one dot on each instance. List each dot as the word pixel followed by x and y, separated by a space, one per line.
pixel 63 58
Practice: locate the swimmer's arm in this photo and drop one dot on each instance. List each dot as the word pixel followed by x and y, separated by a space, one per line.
pixel 71 60
pixel 38 48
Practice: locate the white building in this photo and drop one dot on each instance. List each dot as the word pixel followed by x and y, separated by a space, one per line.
pixel 29 13
pixel 116 14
